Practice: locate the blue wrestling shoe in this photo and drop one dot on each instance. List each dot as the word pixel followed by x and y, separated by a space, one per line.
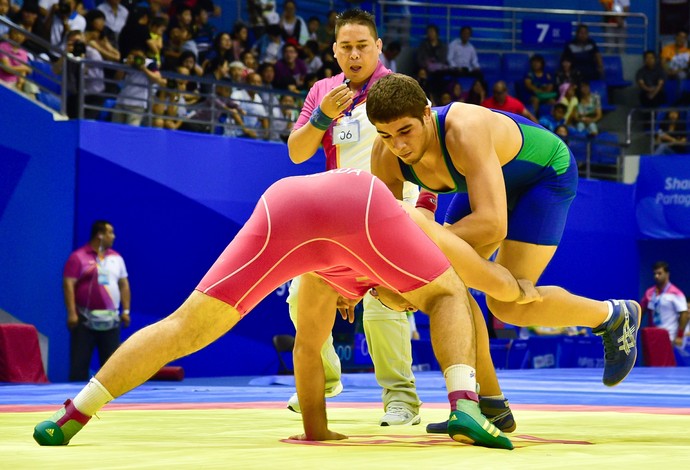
pixel 468 425
pixel 61 427
pixel 498 413
pixel 619 335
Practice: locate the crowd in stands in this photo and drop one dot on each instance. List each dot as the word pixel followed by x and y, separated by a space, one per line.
pixel 278 50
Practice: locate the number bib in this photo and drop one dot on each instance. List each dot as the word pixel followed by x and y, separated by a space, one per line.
pixel 346 132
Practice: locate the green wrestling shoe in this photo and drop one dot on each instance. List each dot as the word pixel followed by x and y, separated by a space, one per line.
pixel 496 411
pixel 467 424
pixel 61 427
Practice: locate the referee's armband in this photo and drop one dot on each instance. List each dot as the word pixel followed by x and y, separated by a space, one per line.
pixel 427 200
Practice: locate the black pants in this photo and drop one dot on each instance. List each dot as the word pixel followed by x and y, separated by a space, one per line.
pixel 82 343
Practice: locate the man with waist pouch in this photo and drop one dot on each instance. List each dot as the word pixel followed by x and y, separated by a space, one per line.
pixel 94 284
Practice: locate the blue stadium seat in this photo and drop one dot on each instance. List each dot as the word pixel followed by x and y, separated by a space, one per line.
pixel 551 63
pixel 466 83
pixel 514 65
pixel 44 76
pixel 606 149
pixel 599 87
pixel 613 72
pixel 490 63
pixel 578 145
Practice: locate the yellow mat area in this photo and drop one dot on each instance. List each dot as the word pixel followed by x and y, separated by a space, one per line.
pixel 256 438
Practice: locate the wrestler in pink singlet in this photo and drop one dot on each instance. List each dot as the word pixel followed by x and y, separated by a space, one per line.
pixel 295 228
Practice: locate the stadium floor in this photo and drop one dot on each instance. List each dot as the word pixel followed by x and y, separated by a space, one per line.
pixel 566 419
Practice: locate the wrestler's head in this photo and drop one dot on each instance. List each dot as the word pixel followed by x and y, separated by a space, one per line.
pixel 399 109
pixel 391 300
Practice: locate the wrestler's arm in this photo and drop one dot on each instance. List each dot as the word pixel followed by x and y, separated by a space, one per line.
pixel 384 165
pixel 472 149
pixel 475 271
pixel 317 305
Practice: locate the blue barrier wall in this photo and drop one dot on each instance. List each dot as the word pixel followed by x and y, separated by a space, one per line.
pixel 176 199
pixel 37 190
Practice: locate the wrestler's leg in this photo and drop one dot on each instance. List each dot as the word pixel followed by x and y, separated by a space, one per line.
pixel 199 321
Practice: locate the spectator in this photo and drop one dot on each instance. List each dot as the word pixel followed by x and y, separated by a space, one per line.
pixel 556 118
pixel 14 60
pixel 269 45
pixel 268 75
pixel 584 55
pixel 290 69
pixel 502 101
pixel 312 58
pixel 672 137
pixel 222 47
pixel 157 27
pixel 63 18
pixel 423 80
pixel 455 92
pixel 432 53
pixel 30 19
pixel 566 73
pixel 249 61
pixel 588 112
pixel 292 25
pixel 325 35
pixel 283 119
pixel 115 18
pixel 389 54
pixel 213 109
pixel 4 11
pixel 249 100
pixel 203 32
pixel 135 32
pixel 134 96
pixel 675 57
pixel 184 21
pixel 240 40
pixel 96 38
pixel 540 84
pixel 217 70
pixel 175 46
pixel 477 93
pixel 313 25
pixel 615 25
pixel 98 49
pixel 462 56
pixel 569 98
pixel 666 304
pixel 188 59
pixel 94 285
pixel 650 78
pixel 262 13
pixel 170 104
pixel 563 132
pixel 238 72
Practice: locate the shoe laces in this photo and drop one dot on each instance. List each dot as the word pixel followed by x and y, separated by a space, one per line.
pixel 398 410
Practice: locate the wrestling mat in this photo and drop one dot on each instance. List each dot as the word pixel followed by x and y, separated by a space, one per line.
pixel 566 419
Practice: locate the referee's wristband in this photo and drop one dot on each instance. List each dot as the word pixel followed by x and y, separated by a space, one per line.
pixel 319 120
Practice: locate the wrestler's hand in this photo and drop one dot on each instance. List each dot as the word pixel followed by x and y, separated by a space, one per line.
pixel 528 292
pixel 346 308
pixel 327 436
pixel 336 101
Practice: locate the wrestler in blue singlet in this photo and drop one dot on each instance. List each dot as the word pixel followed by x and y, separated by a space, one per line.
pixel 541 182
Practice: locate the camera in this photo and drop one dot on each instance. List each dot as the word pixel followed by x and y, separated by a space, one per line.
pixel 78 49
pixel 138 61
pixel 64 8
